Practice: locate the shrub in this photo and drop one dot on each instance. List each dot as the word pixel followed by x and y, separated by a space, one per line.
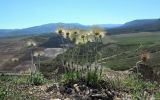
pixel 37 78
pixel 71 76
pixel 93 78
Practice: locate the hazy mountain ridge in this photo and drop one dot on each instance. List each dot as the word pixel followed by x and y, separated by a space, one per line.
pixel 47 28
pixel 142 22
pixel 6 32
pixel 143 25
pixel 109 25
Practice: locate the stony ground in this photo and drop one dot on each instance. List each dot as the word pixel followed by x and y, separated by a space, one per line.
pixel 79 90
pixel 9 48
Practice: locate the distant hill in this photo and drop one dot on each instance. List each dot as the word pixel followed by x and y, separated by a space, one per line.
pixel 109 25
pixel 46 28
pixel 6 32
pixel 144 25
pixel 53 42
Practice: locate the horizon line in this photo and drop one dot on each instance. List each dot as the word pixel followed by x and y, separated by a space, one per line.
pixel 76 23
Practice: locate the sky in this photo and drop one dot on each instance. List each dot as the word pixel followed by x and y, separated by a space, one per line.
pixel 27 13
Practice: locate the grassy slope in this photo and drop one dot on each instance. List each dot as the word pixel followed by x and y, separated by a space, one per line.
pixel 124 53
pixel 128 43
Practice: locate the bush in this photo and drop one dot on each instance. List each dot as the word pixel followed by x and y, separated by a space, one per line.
pixel 37 78
pixel 71 76
pixel 93 78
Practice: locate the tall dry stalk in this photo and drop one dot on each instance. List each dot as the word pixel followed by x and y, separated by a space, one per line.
pixel 31 44
pixel 81 40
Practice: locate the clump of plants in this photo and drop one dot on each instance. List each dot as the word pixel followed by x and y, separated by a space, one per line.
pixel 77 62
pixel 138 88
pixel 31 44
pixel 143 59
pixel 37 78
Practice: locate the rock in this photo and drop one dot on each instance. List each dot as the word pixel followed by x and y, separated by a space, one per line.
pixel 67 99
pixel 57 85
pixel 76 88
pixel 30 92
pixel 54 87
pixel 108 92
pixel 90 90
pixel 62 89
pixel 82 88
pixel 81 97
pixel 129 97
pixel 77 97
pixel 126 96
pixel 95 91
pixel 65 90
pixel 43 87
pixel 68 90
pixel 58 93
pixel 68 85
pixel 55 99
pixel 87 92
pixel 99 96
pixel 116 98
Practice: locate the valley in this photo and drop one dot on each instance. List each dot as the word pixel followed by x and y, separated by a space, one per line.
pixel 117 55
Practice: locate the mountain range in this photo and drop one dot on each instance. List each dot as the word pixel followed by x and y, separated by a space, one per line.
pixel 48 28
pixel 143 25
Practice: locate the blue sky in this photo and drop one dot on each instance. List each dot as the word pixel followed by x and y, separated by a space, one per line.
pixel 27 13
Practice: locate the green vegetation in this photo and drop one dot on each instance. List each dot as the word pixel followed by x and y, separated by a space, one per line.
pixel 10 88
pixel 135 87
pixel 37 78
pixel 121 55
pixel 86 61
pixel 77 60
pixel 157 95
pixel 130 51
